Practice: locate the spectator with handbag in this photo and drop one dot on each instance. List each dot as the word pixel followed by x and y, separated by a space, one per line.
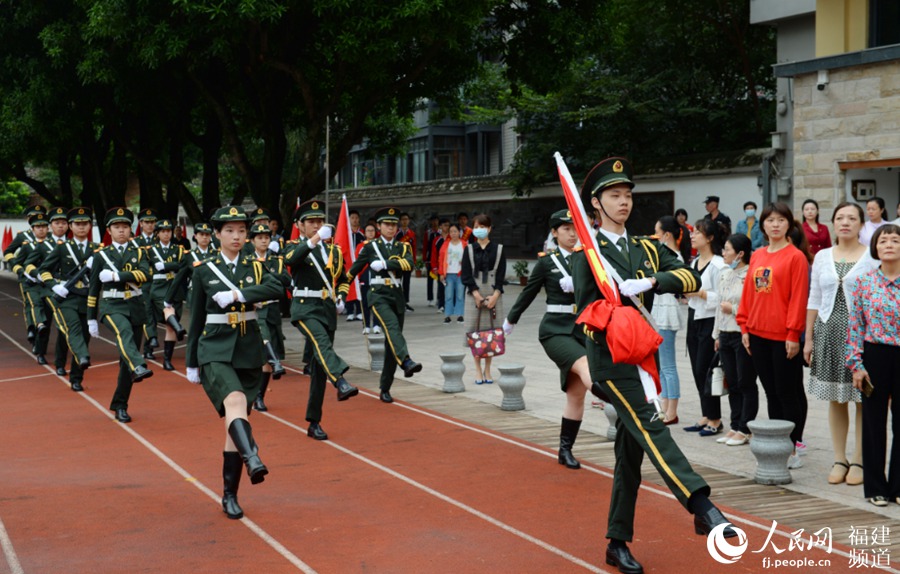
pixel 483 273
pixel 873 355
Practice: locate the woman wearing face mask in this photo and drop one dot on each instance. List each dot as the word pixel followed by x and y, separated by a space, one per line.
pixel 750 226
pixel 667 314
pixel 743 394
pixel 877 213
pixel 834 273
pixel 483 271
pixel 816 233
pixel 772 316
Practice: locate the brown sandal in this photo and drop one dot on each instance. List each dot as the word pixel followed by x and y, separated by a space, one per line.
pixel 838 472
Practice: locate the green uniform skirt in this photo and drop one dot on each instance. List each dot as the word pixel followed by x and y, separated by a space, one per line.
pixel 221 379
pixel 564 350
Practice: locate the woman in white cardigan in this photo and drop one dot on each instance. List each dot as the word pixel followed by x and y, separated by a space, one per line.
pixel 834 273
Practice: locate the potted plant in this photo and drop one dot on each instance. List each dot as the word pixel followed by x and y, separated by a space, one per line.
pixel 420 266
pixel 520 268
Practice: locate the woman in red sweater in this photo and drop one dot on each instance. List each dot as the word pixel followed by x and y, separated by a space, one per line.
pixel 772 316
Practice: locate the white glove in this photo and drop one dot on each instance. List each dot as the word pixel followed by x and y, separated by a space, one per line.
pixel 507 327
pixel 325 232
pixel 93 328
pixel 89 262
pixel 159 265
pixel 31 279
pixel 193 375
pixel 167 305
pixel 274 247
pixel 61 291
pixel 376 265
pixel 565 283
pixel 632 287
pixel 107 276
pixel 339 306
pixel 224 298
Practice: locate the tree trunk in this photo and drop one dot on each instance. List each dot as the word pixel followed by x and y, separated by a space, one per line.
pixel 211 146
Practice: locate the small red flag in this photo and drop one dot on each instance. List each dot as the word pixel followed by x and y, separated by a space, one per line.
pixel 343 239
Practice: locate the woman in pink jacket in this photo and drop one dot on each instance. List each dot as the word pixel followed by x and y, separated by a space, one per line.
pixel 450 268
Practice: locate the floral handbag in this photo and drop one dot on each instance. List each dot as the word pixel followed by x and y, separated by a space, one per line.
pixel 488 343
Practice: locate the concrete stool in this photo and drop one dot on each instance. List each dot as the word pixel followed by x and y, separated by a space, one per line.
pixel 610 411
pixel 375 344
pixel 452 368
pixel 771 445
pixel 511 382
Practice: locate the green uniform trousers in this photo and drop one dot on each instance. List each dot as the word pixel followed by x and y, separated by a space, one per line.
pixel 636 434
pixel 321 339
pixel 150 326
pixel 389 309
pixel 73 324
pixel 26 309
pixel 128 340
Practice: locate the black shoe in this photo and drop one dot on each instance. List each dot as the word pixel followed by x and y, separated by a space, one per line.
pixel 30 334
pixel 42 360
pixel 76 386
pixel 345 390
pixel 140 373
pixel 386 397
pixel 40 329
pixel 61 371
pixel 153 342
pixel 122 416
pixel 621 557
pixel 447 320
pixel 85 363
pixel 315 431
pixel 703 524
pixel 408 308
pixel 148 354
pixel 410 367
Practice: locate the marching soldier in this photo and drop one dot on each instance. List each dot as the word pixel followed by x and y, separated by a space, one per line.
pixel 30 284
pixel 8 255
pixel 561 338
pixel 147 223
pixel 645 269
pixel 269 312
pixel 387 259
pixel 164 258
pixel 319 290
pixel 178 286
pixel 261 216
pixel 225 350
pixel 117 300
pixel 66 270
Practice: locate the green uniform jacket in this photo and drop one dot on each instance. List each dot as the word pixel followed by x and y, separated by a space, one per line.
pixel 647 258
pixel 238 344
pixel 17 241
pixel 397 255
pixel 299 257
pixel 59 265
pixel 191 259
pixel 546 275
pixel 133 268
pixel 171 258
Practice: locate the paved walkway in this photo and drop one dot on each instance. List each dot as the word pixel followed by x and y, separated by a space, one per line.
pixel 428 336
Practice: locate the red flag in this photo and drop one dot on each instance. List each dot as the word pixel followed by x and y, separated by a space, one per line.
pixel 342 238
pixel 295 231
pixel 5 237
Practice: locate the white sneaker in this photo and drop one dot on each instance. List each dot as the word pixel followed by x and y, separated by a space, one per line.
pixel 430 303
pixel 376 329
pixel 440 310
pixel 794 461
pixel 800 447
pixel 365 330
pixel 349 317
pixel 359 317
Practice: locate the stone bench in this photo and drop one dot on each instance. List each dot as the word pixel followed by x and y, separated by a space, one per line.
pixel 453 368
pixel 511 382
pixel 771 444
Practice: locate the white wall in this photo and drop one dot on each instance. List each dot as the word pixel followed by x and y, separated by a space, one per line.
pixel 733 189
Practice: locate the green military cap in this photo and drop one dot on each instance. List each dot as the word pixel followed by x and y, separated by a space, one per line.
pixel 35 209
pixel 609 172
pixel 387 215
pixel 119 215
pixel 229 214
pixel 259 229
pixel 260 213
pixel 312 209
pixel 57 213
pixel 164 224
pixel 80 214
pixel 561 217
pixel 148 214
pixel 38 219
pixel 202 228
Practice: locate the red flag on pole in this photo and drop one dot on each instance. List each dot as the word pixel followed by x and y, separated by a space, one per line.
pixel 342 238
pixel 6 232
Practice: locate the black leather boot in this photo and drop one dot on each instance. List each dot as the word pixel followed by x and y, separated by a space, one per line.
pixel 277 369
pixel 242 436
pixel 168 351
pixel 172 321
pixel 567 435
pixel 259 403
pixel 344 389
pixel 29 334
pixel 231 476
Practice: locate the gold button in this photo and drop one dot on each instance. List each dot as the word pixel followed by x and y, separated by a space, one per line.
pixel 234 326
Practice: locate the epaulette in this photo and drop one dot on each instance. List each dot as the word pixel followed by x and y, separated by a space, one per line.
pixel 542 254
pixel 579 248
pixel 24 242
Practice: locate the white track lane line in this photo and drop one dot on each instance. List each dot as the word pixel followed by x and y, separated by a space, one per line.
pixel 11 558
pixel 255 528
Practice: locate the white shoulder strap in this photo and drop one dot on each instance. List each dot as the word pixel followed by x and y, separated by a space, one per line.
pixel 322 275
pixel 221 276
pixel 560 266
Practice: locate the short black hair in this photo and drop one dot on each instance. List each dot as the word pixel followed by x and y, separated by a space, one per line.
pixel 741 244
pixel 443 220
pixel 887 228
pixel 680 211
pixel 753 203
pixel 351 212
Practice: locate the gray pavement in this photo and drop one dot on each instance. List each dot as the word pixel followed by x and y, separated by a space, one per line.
pixel 427 336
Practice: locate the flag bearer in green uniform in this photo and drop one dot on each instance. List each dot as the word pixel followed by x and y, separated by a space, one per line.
pixel 562 339
pixel 117 298
pixel 225 349
pixel 645 269
pixel 33 291
pixel 269 311
pixel 8 255
pixel 66 270
pixel 318 297
pixel 164 258
pixel 175 295
pixel 387 259
pixel 147 224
